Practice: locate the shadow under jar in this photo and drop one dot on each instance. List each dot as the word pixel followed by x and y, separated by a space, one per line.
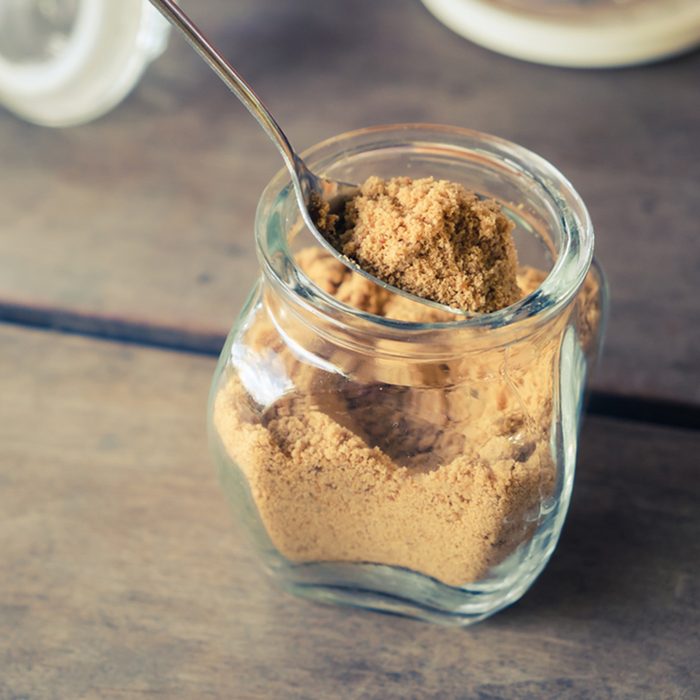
pixel 421 467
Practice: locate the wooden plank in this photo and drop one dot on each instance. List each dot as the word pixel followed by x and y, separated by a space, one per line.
pixel 143 220
pixel 121 575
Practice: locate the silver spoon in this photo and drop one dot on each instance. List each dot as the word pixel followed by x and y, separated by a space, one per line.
pixel 307 186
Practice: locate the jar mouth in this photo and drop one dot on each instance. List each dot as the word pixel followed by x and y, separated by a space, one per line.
pixel 498 158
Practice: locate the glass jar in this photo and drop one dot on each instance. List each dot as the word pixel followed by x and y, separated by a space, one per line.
pixel 67 62
pixel 421 466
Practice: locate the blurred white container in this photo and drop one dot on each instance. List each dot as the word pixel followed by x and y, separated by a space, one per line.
pixel 576 33
pixel 66 62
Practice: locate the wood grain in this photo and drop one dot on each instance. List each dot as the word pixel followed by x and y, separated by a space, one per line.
pixel 122 576
pixel 143 220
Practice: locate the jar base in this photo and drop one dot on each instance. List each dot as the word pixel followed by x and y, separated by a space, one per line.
pixel 390 605
pixel 398 591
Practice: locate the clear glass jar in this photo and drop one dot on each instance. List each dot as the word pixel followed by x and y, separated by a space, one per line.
pixel 66 62
pixel 422 468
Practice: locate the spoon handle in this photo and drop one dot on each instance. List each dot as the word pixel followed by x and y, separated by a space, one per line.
pixel 230 76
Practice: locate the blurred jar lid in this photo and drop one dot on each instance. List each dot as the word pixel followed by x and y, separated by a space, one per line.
pixel 576 33
pixel 65 62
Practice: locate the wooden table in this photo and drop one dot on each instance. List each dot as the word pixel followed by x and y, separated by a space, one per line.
pixel 121 573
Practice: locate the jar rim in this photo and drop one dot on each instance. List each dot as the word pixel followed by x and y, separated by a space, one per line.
pixel 557 289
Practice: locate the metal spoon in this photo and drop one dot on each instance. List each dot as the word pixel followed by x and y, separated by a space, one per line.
pixel 310 189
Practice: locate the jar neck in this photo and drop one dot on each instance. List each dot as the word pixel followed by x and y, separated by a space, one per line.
pixel 521 177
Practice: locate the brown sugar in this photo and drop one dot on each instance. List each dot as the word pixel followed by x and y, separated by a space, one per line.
pixel 324 494
pixel 433 238
pixel 443 468
pixel 446 480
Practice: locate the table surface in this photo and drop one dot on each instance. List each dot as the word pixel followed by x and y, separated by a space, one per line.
pixel 121 572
